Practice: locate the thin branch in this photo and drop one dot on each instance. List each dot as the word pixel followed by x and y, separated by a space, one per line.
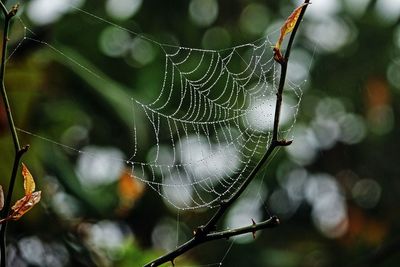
pixel 11 125
pixel 270 223
pixel 206 233
pixel 202 233
pixel 8 15
pixel 197 240
pixel 284 65
pixel 226 204
pixel 3 8
pixel 7 203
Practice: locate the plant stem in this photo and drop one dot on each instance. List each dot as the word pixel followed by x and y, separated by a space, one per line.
pixel 7 204
pixel 225 205
pixel 284 65
pixel 11 125
pixel 195 241
pixel 8 15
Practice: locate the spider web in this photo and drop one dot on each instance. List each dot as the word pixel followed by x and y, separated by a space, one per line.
pixel 213 143
pixel 210 122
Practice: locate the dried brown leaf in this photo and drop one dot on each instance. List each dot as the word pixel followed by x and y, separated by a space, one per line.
pixel 24 205
pixel 287 27
pixel 27 202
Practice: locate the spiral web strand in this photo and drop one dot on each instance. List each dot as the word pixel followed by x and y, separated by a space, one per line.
pixel 210 122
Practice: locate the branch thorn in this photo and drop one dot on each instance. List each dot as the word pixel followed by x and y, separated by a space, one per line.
pixel 284 142
pixel 13 10
pixel 199 231
pixel 276 220
pixel 254 231
pixel 222 202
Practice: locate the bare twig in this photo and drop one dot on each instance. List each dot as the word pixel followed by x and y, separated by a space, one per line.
pixel 206 233
pixel 284 65
pixel 8 15
pixel 206 237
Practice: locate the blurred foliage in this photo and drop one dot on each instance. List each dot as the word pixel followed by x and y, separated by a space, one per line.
pixel 75 90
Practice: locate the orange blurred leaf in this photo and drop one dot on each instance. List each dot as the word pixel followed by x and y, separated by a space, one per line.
pixel 377 93
pixel 129 191
pixel 287 27
pixel 24 205
pixel 363 229
pixel 29 183
pixel 129 187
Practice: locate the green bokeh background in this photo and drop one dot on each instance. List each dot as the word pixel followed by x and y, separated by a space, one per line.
pixel 354 69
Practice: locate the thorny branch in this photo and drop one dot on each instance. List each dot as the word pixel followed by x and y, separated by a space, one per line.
pixel 8 15
pixel 207 232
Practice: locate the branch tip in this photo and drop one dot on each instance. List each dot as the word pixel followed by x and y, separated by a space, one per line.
pixel 198 232
pixel 254 231
pixel 283 142
pixel 275 220
pixel 23 150
pixel 13 10
pixel 222 202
